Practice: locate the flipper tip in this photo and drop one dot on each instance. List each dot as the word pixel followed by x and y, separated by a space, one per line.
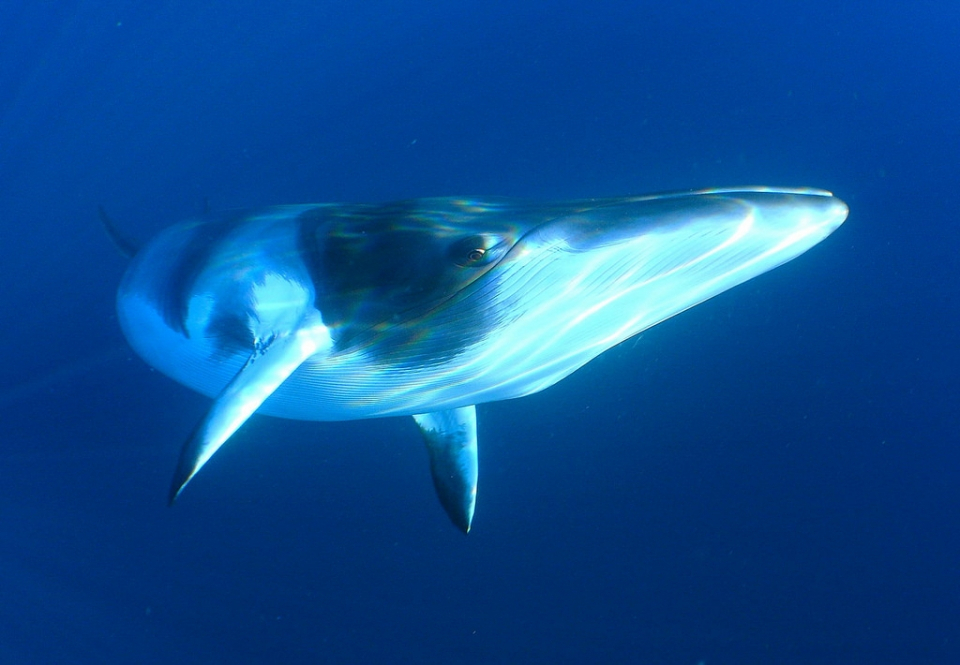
pixel 181 477
pixel 460 519
pixel 451 438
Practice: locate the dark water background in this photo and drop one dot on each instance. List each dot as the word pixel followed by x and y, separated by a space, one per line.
pixel 771 477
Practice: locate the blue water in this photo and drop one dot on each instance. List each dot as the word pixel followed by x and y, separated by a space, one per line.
pixel 771 477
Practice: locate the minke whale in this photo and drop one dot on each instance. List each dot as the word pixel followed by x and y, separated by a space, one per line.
pixel 428 307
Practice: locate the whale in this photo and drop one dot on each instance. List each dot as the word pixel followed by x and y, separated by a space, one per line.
pixel 428 307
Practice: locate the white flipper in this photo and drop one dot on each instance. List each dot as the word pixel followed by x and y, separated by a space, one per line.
pixel 451 438
pixel 266 369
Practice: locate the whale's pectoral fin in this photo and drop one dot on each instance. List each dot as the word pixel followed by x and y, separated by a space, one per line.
pixel 451 437
pixel 266 369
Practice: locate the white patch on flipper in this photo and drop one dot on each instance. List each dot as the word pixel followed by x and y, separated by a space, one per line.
pixel 280 305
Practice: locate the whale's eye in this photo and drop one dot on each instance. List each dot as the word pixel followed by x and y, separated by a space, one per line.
pixel 474 251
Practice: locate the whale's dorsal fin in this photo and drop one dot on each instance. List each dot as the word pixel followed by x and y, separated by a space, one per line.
pixel 451 438
pixel 122 242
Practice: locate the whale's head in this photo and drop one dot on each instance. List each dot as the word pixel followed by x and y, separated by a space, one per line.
pixel 529 294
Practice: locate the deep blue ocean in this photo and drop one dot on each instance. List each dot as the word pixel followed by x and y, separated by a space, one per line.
pixel 770 477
